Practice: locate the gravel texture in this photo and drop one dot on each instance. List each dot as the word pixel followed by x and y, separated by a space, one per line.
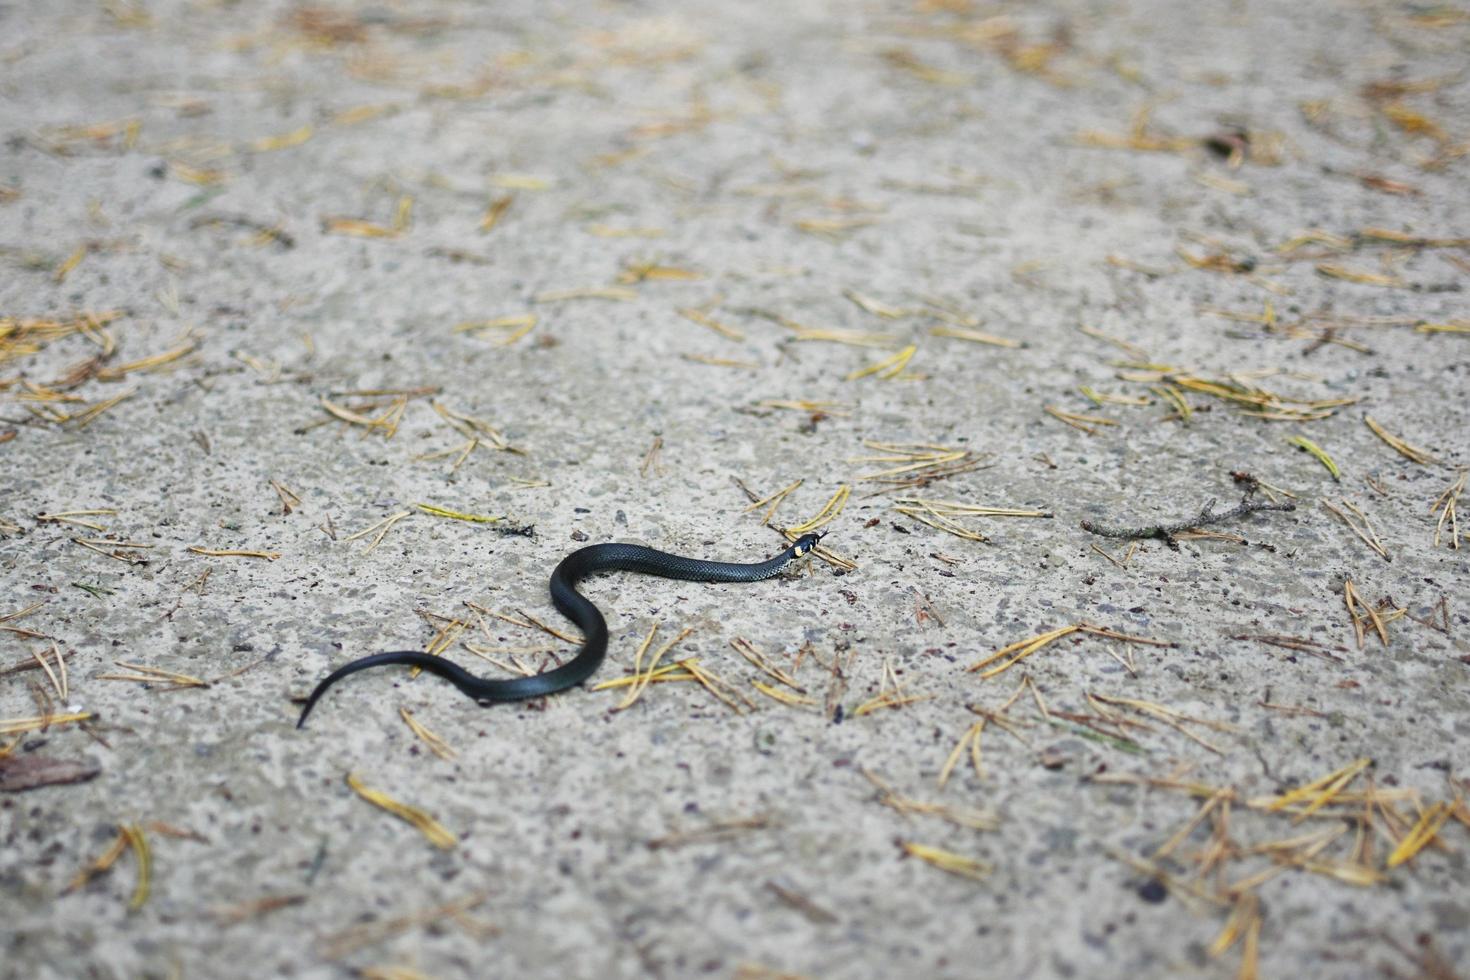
pixel 294 207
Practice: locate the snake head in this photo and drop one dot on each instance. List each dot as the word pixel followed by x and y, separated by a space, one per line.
pixel 806 543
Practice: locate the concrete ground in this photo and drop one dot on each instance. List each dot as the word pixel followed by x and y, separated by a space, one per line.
pixel 274 275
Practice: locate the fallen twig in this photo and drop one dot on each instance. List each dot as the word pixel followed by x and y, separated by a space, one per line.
pixel 1166 532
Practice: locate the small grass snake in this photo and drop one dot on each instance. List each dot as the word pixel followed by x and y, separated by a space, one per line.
pixel 574 606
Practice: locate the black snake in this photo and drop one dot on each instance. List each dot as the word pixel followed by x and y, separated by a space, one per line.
pixel 574 606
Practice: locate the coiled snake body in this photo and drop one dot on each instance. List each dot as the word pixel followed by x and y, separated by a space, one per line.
pixel 574 606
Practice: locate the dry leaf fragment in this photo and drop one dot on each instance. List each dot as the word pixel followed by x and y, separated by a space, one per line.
pixel 22 772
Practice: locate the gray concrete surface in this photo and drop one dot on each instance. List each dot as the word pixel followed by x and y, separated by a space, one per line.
pixel 935 153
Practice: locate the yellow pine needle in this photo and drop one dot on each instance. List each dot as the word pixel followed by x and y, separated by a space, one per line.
pixel 926 514
pixel 1300 852
pixel 1132 350
pixel 1244 922
pixel 747 650
pixel 925 462
pixel 705 320
pixel 955 864
pixel 356 418
pixel 1442 328
pixel 853 338
pixel 392 973
pixel 889 699
pixel 382 527
pixel 70 517
pixel 234 553
pixel 1321 791
pixel 1159 711
pixel 40 393
pixel 535 623
pixel 61 683
pixel 970 739
pixel 1025 648
pixel 833 228
pixel 199 176
pixel 119 548
pixel 785 697
pixel 495 211
pixel 436 744
pixel 15 726
pixel 91 415
pixel 721 361
pixel 647 675
pixel 1299 842
pixel 1423 832
pixel 151 675
pixel 389 420
pixel 642 649
pixel 1354 602
pixel 974 336
pixel 1319 453
pixel 1171 395
pixel 133 834
pixel 1404 238
pixel 890 695
pixel 889 367
pixel 978 510
pixel 469 425
pixel 959 816
pixel 1183 833
pixel 1333 271
pixel 1347 872
pixel 403 213
pixel 1087 423
pixel 1315 236
pixel 950 508
pixel 828 513
pixel 920 460
pixel 1172 718
pixel 290 499
pixel 443 638
pixel 516 327
pixel 520 182
pixel 1361 527
pixel 877 308
pixel 646 271
pixel 1139 138
pixel 1411 122
pixel 676 671
pixel 1105 398
pixel 427 825
pixel 337 946
pixel 1412 453
pixel 456 515
pixel 618 293
pixel 774 500
pixel 1021 650
pixel 146 363
pixel 357 228
pixel 102 864
pixel 1446 505
pixel 717 686
pixel 284 141
pixel 609 231
pixel 19 613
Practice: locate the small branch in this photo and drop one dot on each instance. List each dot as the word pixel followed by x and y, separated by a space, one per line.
pixel 1166 532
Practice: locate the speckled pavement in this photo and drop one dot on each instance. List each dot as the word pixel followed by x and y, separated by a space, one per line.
pixel 309 285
